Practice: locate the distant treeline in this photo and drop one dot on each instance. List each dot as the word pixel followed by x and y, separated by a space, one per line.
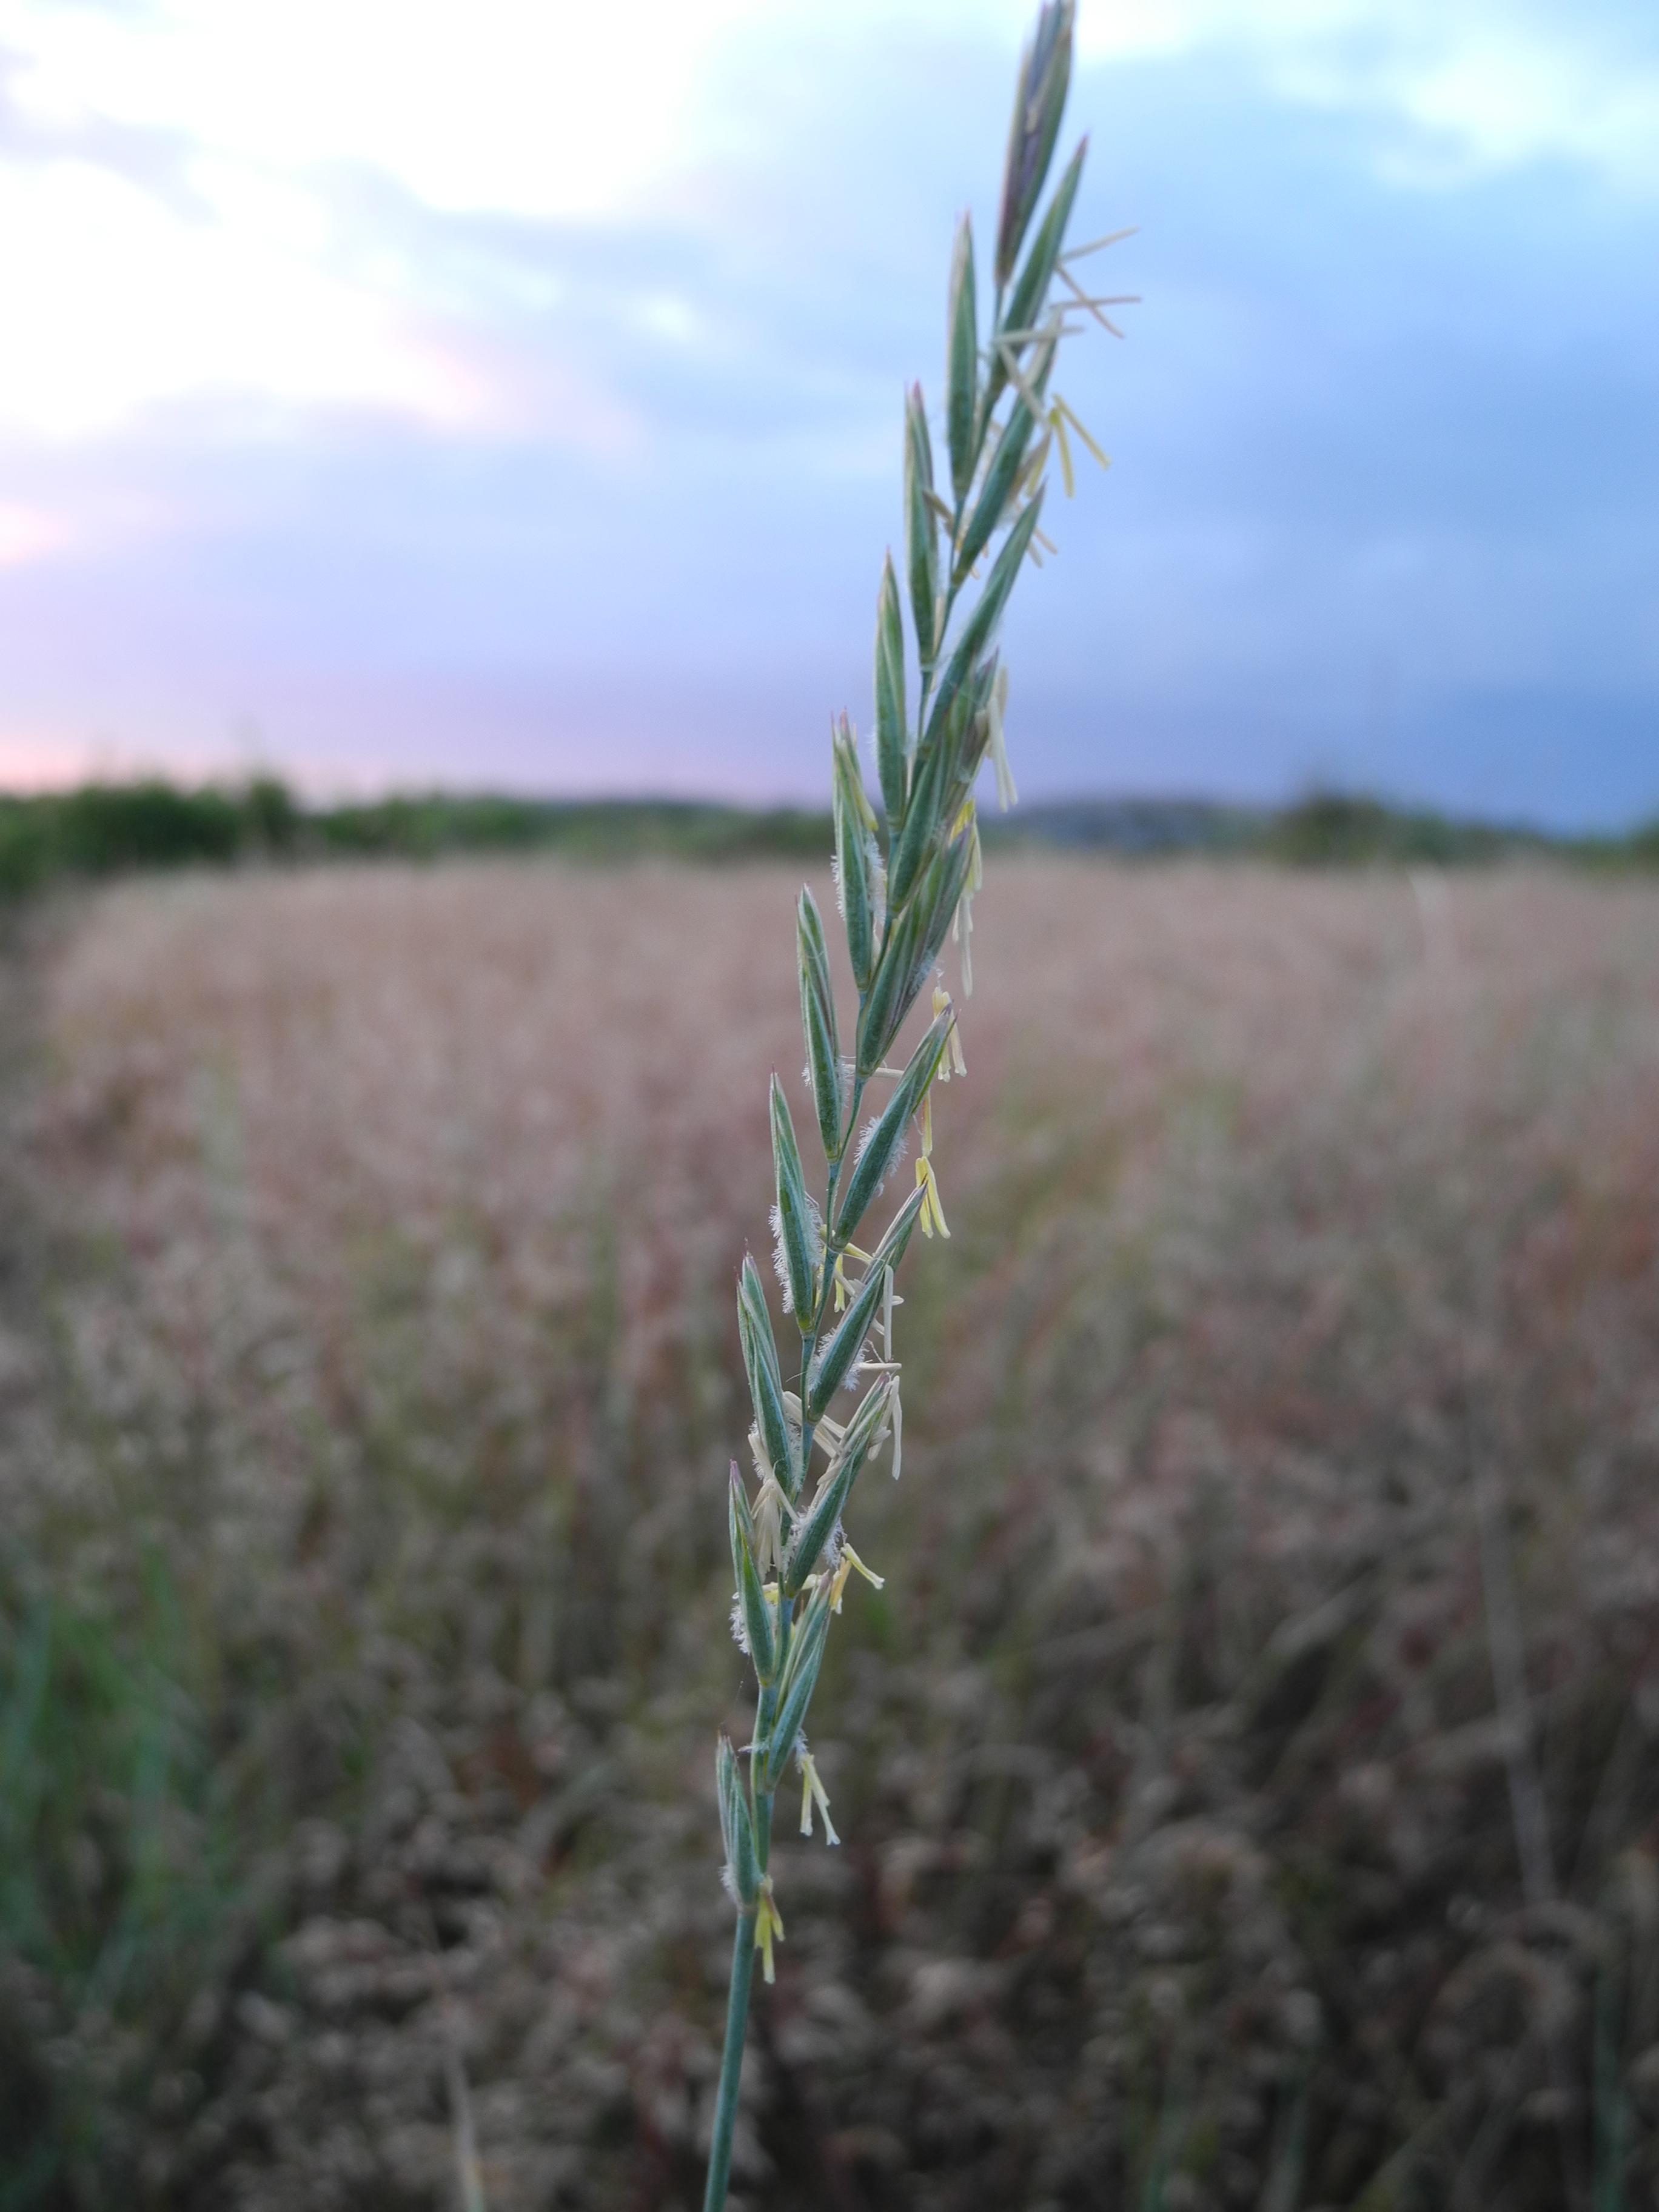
pixel 1325 829
pixel 110 828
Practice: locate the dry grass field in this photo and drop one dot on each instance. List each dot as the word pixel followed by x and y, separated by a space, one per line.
pixel 1249 1774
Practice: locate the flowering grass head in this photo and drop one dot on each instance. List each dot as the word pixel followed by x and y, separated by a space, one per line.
pixel 906 871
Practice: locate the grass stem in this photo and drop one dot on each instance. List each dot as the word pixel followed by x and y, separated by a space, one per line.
pixel 737 2025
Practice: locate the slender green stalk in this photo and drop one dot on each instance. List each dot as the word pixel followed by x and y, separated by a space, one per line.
pixel 725 2104
pixel 905 878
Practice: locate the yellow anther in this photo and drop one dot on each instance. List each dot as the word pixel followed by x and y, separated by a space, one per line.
pixel 953 1061
pixel 875 1581
pixel 812 1793
pixel 849 1560
pixel 933 1213
pixel 768 1925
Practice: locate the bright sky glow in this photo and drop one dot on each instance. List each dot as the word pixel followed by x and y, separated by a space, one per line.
pixel 238 299
pixel 26 535
pixel 508 105
pixel 508 392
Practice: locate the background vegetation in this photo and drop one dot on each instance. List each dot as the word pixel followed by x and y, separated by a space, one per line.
pixel 111 828
pixel 1280 1510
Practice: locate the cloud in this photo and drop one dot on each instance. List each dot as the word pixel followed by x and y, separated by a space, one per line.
pixel 114 305
pixel 1483 87
pixel 283 199
pixel 218 200
pixel 541 108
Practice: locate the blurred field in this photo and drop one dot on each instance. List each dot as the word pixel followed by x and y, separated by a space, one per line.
pixel 369 1376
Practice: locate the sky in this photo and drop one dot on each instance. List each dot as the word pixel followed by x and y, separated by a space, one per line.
pixel 507 395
